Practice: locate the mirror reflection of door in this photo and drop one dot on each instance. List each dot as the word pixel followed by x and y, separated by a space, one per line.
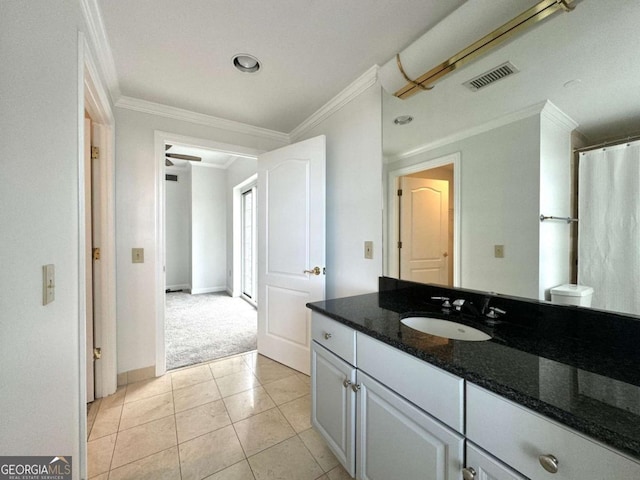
pixel 249 245
pixel 426 217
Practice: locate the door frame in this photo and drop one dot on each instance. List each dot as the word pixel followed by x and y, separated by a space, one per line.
pixel 93 97
pixel 236 287
pixel 391 260
pixel 160 138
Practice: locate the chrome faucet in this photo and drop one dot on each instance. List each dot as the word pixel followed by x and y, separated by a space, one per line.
pixel 445 301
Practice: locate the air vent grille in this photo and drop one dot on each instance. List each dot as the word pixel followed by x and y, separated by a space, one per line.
pixel 171 178
pixel 492 76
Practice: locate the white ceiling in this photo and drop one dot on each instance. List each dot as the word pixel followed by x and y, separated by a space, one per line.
pixel 178 52
pixel 593 50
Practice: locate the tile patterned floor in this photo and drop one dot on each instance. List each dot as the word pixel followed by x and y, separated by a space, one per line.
pixel 244 417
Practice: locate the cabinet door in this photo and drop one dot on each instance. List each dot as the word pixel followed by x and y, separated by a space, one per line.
pixel 333 404
pixel 398 440
pixel 488 468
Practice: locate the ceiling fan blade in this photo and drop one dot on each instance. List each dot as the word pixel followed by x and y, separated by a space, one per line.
pixel 167 147
pixel 168 163
pixel 179 156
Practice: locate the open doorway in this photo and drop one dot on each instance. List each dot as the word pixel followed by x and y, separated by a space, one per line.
pixel 204 318
pixel 424 222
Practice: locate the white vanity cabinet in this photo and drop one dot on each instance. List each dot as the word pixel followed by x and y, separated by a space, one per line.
pixel 482 466
pixel 537 446
pixel 351 407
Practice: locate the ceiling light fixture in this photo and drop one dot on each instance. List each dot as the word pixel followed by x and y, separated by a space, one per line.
pixel 246 63
pixel 403 119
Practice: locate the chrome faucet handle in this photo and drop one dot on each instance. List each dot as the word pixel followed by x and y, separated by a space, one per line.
pixel 445 301
pixel 495 312
pixel 458 303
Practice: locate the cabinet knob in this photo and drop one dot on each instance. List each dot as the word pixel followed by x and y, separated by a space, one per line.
pixel 549 463
pixel 355 387
pixel 346 383
pixel 327 335
pixel 468 473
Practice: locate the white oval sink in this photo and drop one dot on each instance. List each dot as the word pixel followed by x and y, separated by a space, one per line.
pixel 445 328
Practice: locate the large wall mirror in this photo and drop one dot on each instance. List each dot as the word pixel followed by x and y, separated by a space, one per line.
pixel 484 165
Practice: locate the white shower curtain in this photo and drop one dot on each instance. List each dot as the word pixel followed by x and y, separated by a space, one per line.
pixel 609 226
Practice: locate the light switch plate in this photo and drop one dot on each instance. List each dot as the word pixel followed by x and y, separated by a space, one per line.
pixel 498 251
pixel 137 255
pixel 48 284
pixel 368 250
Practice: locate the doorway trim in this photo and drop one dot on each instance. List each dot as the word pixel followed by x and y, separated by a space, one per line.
pixel 160 138
pixel 93 97
pixel 392 262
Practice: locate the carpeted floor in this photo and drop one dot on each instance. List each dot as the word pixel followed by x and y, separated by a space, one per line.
pixel 203 327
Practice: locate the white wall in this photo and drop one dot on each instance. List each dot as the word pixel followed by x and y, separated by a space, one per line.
pixel 239 171
pixel 178 228
pixel 208 229
pixel 354 193
pixel 39 211
pixel 499 205
pixel 135 223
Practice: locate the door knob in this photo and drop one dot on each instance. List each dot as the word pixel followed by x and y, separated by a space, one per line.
pixel 315 271
pixel 468 473
pixel 445 254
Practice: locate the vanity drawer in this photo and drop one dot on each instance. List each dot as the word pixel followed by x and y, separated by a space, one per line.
pixel 334 336
pixel 437 392
pixel 519 436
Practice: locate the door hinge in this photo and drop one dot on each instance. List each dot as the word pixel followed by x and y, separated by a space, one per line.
pixel 399 244
pixel 96 254
pixel 97 353
pixel 95 153
pixel 399 192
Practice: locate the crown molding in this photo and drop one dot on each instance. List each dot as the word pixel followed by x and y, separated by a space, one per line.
pixel 100 41
pixel 527 112
pixel 551 112
pixel 153 108
pixel 362 83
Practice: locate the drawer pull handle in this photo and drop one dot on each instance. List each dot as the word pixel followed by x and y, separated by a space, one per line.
pixel 346 383
pixel 468 473
pixel 549 463
pixel 327 335
pixel 355 387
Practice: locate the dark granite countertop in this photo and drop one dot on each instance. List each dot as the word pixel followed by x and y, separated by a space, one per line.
pixel 577 366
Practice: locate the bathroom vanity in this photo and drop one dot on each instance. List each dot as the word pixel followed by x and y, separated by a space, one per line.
pixel 554 393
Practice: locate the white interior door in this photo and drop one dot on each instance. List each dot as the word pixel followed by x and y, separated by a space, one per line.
pixel 88 207
pixel 291 240
pixel 424 230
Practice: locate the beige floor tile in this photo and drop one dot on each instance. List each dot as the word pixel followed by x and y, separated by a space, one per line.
pixel 163 465
pixel 102 476
pixel 113 400
pixel 106 422
pixel 298 413
pixel 209 453
pixel 148 388
pixel 339 473
pixel 271 371
pixel 200 420
pixel 99 455
pixel 319 449
pixel 250 357
pixel 245 404
pixel 195 395
pixel 191 376
pixel 144 440
pixel 227 366
pixel 255 360
pixel 289 460
pixel 306 379
pixel 146 410
pixel 286 389
pixel 263 431
pixel 239 471
pixel 236 383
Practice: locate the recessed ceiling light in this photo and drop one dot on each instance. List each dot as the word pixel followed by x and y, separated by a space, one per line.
pixel 403 119
pixel 246 63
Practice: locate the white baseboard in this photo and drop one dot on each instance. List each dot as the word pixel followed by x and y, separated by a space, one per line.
pixel 196 291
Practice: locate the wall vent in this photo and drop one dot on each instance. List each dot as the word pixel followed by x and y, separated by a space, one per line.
pixel 171 178
pixel 493 75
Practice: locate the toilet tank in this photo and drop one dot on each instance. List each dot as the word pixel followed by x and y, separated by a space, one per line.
pixel 571 294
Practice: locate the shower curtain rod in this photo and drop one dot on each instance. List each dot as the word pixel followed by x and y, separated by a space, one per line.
pixel 608 143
